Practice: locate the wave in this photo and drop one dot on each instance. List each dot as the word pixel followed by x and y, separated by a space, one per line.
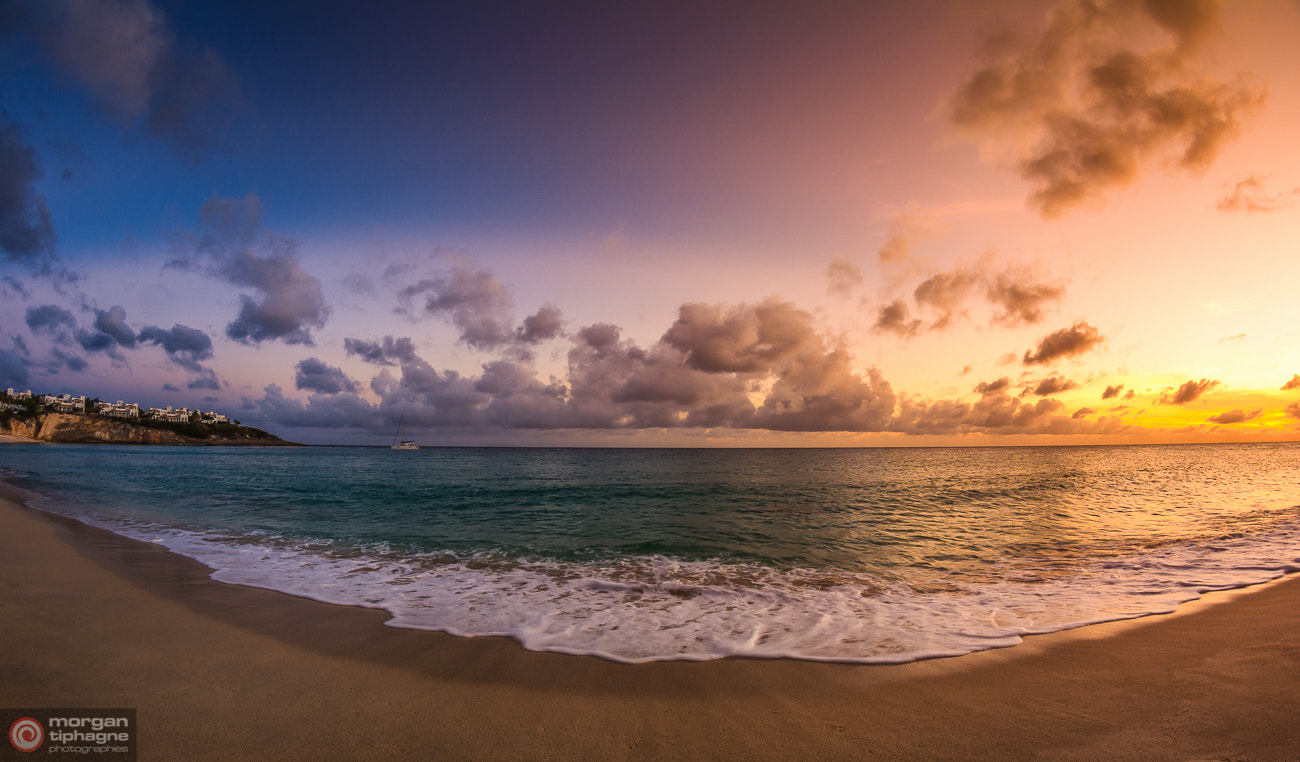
pixel 656 608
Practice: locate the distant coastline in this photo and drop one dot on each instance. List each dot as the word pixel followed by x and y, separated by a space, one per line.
pixel 91 428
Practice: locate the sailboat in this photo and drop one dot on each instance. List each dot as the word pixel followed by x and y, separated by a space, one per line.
pixel 398 442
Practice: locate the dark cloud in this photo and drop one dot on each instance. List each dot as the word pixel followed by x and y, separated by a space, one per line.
pixel 314 375
pixel 477 303
pixel 62 359
pixel 763 366
pixel 112 323
pixel 18 288
pixel 1112 391
pixel 26 231
pixel 545 324
pixel 843 276
pixel 1249 196
pixel 228 244
pixel 388 351
pixel 1067 342
pixel 1082 113
pixel 1234 416
pixel 1083 412
pixel 1189 392
pixel 1293 410
pixel 1053 385
pixel 1294 383
pixel 894 318
pixel 985 388
pixel 332 411
pixel 125 55
pixel 52 320
pixel 13 369
pixel 205 378
pixel 185 346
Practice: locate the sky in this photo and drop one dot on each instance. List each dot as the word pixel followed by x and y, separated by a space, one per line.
pixel 660 224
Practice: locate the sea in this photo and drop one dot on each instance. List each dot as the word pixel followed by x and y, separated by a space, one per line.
pixel 641 555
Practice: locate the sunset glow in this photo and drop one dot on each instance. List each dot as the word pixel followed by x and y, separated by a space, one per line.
pixel 680 224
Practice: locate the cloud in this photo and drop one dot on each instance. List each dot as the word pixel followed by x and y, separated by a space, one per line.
pixel 1294 383
pixel 1235 416
pixel 124 53
pixel 1236 337
pixel 388 351
pixel 1021 299
pixel 1080 111
pixel 314 375
pixel 945 293
pixel 1067 342
pixel 113 323
pixel 1053 385
pixel 739 339
pixel 1017 295
pixel 985 388
pixel 13 369
pixel 1249 196
pixel 185 346
pixel 1083 412
pixel 52 320
pixel 332 411
pixel 904 231
pixel 1293 410
pixel 894 318
pixel 111 331
pixel 545 324
pixel 226 245
pixel 764 366
pixel 1112 391
pixel 206 378
pixel 843 276
pixel 1189 392
pixel 26 230
pixel 477 303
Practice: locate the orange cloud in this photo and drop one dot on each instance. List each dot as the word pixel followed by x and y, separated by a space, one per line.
pixel 1067 342
pixel 1248 196
pixel 1082 112
pixel 1234 416
pixel 1188 392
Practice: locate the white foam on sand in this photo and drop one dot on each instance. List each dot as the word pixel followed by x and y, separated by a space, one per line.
pixel 655 608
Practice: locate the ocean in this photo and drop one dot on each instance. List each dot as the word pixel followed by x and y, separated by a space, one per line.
pixel 637 555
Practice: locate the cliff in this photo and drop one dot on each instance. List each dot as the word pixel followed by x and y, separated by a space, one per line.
pixel 96 429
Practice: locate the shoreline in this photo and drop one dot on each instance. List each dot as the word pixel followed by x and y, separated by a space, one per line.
pixel 225 671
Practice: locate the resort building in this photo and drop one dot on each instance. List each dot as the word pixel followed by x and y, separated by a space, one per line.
pixel 119 409
pixel 64 403
pixel 169 414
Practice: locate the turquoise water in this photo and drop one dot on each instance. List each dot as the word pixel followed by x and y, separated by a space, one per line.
pixel 638 555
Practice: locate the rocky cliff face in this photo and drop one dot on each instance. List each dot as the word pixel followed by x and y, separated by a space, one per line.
pixel 86 429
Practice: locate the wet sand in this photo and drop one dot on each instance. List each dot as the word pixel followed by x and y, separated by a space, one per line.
pixel 216 671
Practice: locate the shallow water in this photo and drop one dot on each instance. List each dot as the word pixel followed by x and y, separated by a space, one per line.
pixel 875 555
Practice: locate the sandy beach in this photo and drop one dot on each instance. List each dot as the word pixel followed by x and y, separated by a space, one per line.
pixel 226 672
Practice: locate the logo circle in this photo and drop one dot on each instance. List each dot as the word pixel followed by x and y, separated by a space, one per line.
pixel 26 734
